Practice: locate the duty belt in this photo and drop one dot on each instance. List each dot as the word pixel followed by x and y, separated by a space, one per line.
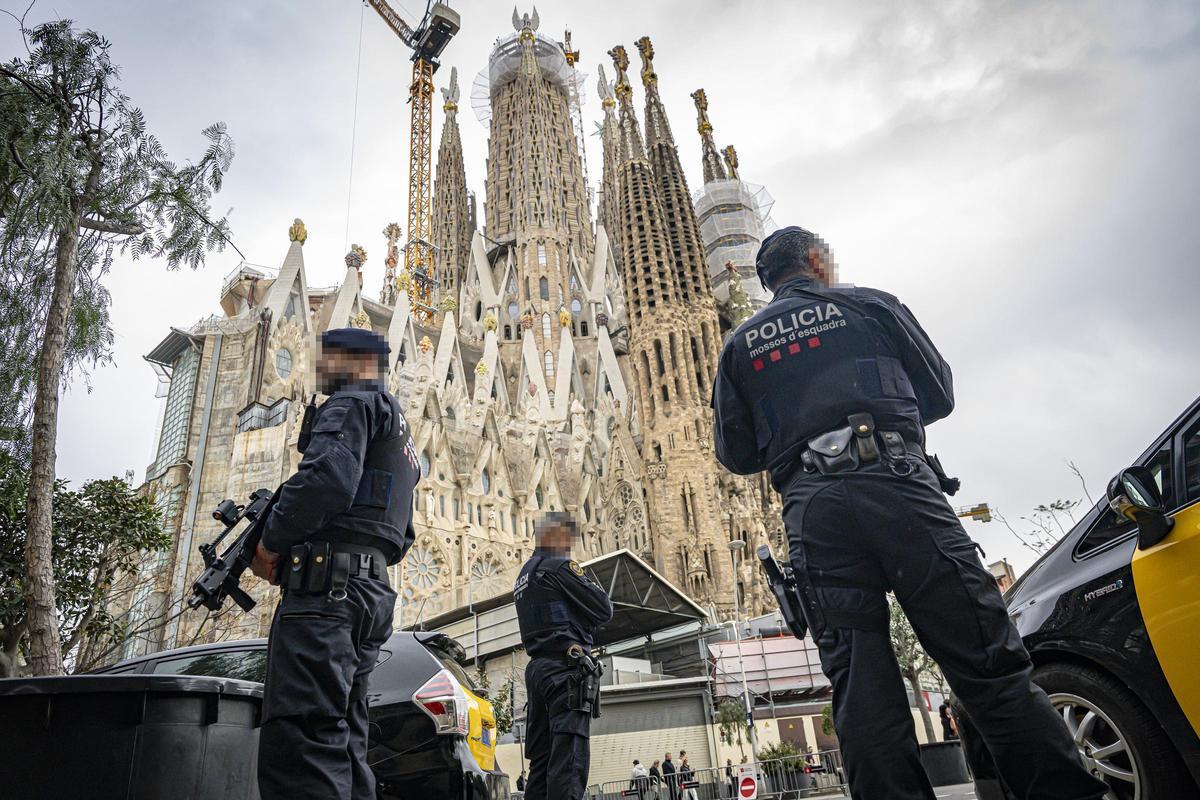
pixel 328 566
pixel 845 449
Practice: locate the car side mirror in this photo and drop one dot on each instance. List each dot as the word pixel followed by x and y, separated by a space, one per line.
pixel 1134 494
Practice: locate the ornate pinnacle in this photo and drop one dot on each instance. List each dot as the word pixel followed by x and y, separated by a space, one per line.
pixel 605 88
pixel 702 123
pixel 298 233
pixel 450 93
pixel 731 160
pixel 649 78
pixel 621 63
pixel 356 257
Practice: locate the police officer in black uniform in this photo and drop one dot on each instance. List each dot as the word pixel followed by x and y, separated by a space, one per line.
pixel 559 608
pixel 335 527
pixel 829 388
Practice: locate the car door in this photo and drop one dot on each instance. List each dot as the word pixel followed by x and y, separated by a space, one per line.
pixel 1167 577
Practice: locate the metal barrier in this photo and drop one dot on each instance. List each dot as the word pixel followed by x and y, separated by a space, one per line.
pixel 812 775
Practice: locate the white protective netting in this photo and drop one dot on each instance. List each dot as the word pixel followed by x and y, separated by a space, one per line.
pixel 735 216
pixel 505 62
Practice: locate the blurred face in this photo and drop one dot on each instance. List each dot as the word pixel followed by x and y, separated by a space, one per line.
pixel 556 538
pixel 338 367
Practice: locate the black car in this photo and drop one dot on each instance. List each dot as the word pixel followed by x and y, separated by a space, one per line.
pixel 432 730
pixel 1111 617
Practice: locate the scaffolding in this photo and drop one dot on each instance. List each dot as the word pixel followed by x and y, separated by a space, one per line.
pixel 734 216
pixel 504 65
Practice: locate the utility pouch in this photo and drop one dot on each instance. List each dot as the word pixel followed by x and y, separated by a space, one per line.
pixel 297 566
pixel 948 485
pixel 831 452
pixel 317 579
pixel 863 426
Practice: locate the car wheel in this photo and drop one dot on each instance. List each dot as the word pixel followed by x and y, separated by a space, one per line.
pixel 1119 740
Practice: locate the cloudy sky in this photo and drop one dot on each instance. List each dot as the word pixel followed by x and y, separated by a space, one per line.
pixel 1023 174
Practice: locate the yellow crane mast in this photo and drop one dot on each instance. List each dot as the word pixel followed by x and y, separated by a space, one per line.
pixel 427 42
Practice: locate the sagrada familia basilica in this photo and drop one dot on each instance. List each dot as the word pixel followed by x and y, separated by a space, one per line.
pixel 562 362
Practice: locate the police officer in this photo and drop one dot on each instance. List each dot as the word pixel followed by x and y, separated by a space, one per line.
pixel 559 609
pixel 829 388
pixel 338 522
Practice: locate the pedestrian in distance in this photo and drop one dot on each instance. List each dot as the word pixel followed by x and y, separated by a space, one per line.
pixel 668 770
pixel 829 388
pixel 559 607
pixel 656 778
pixel 729 777
pixel 639 778
pixel 335 527
pixel 521 781
pixel 686 775
pixel 946 714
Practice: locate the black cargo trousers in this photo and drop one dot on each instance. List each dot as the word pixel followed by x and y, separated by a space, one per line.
pixel 313 741
pixel 863 533
pixel 556 740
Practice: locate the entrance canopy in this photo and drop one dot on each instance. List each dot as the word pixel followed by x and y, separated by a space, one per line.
pixel 644 602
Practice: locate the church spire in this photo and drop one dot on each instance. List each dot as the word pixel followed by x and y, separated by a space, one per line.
pixel 731 161
pixel 683 229
pixel 713 169
pixel 607 212
pixel 451 216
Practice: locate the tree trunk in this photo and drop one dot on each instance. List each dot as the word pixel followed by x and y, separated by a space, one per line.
pixel 45 647
pixel 914 683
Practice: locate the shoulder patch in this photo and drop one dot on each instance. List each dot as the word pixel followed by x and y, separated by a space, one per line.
pixel 574 565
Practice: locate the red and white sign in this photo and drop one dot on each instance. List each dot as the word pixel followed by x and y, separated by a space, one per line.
pixel 747 782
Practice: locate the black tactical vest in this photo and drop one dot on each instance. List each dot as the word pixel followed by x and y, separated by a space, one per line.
pixel 548 625
pixel 381 515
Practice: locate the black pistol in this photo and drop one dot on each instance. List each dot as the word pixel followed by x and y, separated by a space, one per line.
pixel 223 572
pixel 797 602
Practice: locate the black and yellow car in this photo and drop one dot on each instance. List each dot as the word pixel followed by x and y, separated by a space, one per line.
pixel 1111 617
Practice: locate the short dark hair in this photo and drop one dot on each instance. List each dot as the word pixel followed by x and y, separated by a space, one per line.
pixel 785 255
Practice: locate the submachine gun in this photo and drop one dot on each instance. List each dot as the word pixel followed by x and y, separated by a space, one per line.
pixel 797 600
pixel 223 572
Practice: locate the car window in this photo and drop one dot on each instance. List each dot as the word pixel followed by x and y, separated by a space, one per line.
pixel 1191 464
pixel 1111 526
pixel 244 665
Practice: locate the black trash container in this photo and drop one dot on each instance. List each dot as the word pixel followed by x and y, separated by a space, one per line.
pixel 129 737
pixel 944 763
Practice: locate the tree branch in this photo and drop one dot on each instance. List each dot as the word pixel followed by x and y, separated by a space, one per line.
pixel 107 226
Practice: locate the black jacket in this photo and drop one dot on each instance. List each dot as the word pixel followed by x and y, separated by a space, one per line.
pixel 810 358
pixel 355 482
pixel 558 605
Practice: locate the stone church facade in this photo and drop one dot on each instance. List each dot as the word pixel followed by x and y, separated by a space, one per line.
pixel 568 366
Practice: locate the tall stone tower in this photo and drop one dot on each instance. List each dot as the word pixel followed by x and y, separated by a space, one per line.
pixel 673 331
pixel 734 218
pixel 452 227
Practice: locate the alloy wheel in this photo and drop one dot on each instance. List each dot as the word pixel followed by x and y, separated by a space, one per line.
pixel 1102 746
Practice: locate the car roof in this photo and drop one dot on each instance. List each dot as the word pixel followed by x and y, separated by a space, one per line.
pixel 398 639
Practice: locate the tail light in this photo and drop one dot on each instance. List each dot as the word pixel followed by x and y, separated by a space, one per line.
pixel 443 699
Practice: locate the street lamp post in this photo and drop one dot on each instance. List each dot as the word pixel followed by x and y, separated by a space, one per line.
pixel 735 547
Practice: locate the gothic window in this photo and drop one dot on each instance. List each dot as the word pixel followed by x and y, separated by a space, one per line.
pixel 546 326
pixel 424 570
pixel 487 579
pixel 548 359
pixel 470 512
pixel 626 518
pixel 508 331
pixel 543 288
pixel 513 311
pixel 290 310
pixel 658 356
pixel 539 497
pixel 485 481
pixel 576 306
pixel 583 328
pixel 478 311
pixel 574 284
pixel 541 254
pixel 283 362
pixel 457 508
pixel 442 504
pixel 424 464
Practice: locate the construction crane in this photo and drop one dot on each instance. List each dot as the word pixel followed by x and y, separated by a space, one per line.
pixel 427 42
pixel 980 512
